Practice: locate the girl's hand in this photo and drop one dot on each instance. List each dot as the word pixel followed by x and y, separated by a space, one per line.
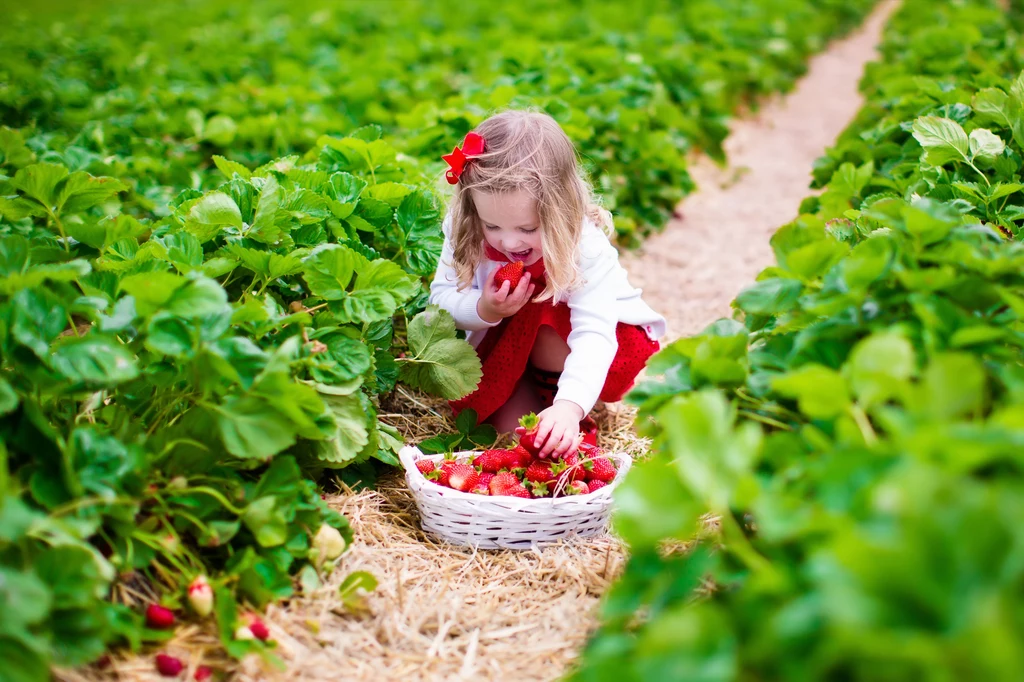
pixel 498 302
pixel 559 429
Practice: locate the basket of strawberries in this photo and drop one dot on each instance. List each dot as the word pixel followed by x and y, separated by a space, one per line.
pixel 511 498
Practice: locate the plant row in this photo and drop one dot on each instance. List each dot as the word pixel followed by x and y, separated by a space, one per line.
pixel 854 434
pixel 635 86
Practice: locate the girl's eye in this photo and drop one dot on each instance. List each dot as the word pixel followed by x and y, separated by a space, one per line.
pixel 490 227
pixel 531 231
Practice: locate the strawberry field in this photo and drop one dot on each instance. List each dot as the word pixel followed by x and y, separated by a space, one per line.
pixel 216 226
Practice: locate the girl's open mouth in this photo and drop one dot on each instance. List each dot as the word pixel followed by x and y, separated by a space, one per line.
pixel 520 255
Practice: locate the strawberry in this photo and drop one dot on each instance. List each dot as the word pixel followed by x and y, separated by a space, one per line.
pixel 530 422
pixel 158 617
pixel 485 479
pixel 200 596
pixel 539 471
pixel 519 457
pixel 600 469
pixel 508 484
pixel 568 468
pixel 492 461
pixel 257 627
pixel 425 466
pixel 596 485
pixel 480 489
pixel 169 666
pixel 511 273
pixel 462 477
pixel 577 488
pixel 444 472
pixel 203 672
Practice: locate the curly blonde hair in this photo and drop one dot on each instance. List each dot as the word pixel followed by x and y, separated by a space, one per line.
pixel 526 150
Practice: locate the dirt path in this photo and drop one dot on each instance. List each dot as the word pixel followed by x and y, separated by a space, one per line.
pixel 694 269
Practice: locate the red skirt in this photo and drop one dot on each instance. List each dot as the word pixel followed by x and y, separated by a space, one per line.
pixel 505 352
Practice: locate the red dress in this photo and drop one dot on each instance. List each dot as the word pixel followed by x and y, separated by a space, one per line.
pixel 505 350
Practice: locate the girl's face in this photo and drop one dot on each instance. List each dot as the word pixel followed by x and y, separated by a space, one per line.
pixel 511 224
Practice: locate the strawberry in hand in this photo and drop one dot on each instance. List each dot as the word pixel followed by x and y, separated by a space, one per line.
pixel 511 273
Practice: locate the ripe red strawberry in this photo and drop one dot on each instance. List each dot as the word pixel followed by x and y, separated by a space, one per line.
pixel 507 484
pixel 203 672
pixel 595 485
pixel 442 473
pixel 485 479
pixel 257 627
pixel 519 457
pixel 158 617
pixel 577 488
pixel 600 469
pixel 539 471
pixel 480 489
pixel 492 461
pixel 568 468
pixel 511 273
pixel 530 422
pixel 169 666
pixel 425 466
pixel 462 477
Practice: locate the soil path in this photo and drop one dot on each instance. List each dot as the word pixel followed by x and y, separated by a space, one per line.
pixel 693 270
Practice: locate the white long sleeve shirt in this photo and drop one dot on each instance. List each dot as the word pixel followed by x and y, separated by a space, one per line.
pixel 595 309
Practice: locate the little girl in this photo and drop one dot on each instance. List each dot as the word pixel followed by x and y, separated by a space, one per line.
pixel 520 197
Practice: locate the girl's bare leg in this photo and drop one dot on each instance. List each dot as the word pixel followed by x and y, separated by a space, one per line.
pixel 524 401
pixel 549 350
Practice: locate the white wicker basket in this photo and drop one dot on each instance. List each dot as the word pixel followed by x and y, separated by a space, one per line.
pixel 503 521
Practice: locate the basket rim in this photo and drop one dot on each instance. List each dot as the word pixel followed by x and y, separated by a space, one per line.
pixel 409 454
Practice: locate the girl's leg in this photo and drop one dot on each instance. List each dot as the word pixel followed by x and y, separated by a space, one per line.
pixel 549 350
pixel 523 401
pixel 547 359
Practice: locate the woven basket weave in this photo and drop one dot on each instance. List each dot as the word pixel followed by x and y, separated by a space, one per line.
pixel 503 521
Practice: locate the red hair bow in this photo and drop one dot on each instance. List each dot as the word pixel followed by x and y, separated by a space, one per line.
pixel 472 146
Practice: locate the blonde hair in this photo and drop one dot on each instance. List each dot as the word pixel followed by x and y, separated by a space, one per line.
pixel 526 150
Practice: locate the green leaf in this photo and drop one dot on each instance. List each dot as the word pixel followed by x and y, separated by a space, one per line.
pixel 264 224
pixel 8 400
pixel 821 392
pixel 13 150
pixel 350 433
pixel 39 182
pixel 953 385
pixel 212 212
pixel 252 428
pixel 943 139
pixel 985 144
pixel 81 191
pixel 266 264
pixel 420 223
pixel 440 363
pixel 328 270
pixel 94 360
pixel 352 588
pixel 770 296
pixel 391 193
pixel 229 168
pixel 24 599
pixel 879 367
pixel 151 290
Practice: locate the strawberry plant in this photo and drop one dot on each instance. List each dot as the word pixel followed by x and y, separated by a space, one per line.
pixel 856 429
pixel 170 388
pixel 636 86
